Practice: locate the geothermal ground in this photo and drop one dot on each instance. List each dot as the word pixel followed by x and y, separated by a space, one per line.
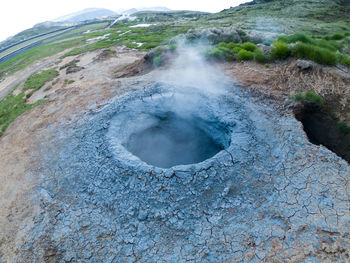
pixel 77 185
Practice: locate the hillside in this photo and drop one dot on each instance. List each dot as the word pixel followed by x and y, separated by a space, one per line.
pixel 86 14
pixel 286 16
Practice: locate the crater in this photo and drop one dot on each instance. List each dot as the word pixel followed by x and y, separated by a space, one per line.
pixel 168 130
pixel 323 129
pixel 172 140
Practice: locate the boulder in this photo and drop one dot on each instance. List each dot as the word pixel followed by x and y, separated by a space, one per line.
pixel 265 49
pixel 305 64
pixel 214 35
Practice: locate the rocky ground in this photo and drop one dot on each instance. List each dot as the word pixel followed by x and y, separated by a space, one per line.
pixel 65 196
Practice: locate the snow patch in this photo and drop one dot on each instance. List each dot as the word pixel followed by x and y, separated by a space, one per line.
pixel 143 25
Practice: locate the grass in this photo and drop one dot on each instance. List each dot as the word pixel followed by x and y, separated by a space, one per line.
pixel 345 61
pixel 280 50
pixel 69 81
pixel 343 127
pixel 249 46
pixel 323 17
pixel 36 81
pixel 308 96
pixel 236 51
pixel 260 57
pixel 23 60
pixel 327 50
pixel 315 53
pixel 150 37
pixel 13 106
pixel 245 55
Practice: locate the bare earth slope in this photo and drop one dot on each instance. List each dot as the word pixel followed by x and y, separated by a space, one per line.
pixel 271 196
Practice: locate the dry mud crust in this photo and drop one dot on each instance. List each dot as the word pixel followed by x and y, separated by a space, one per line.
pixel 20 154
pixel 271 196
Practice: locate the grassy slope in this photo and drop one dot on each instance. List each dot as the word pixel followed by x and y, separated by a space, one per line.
pixel 285 16
pixel 28 33
pixel 12 106
pixel 316 17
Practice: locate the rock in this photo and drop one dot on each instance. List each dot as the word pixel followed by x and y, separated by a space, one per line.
pixel 305 64
pixel 214 35
pixel 265 49
pixel 73 69
pixel 72 66
pixel 228 34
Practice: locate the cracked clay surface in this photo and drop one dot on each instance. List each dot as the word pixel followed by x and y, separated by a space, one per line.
pixel 271 196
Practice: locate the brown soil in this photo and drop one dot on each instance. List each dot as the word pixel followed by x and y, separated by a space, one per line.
pixel 19 145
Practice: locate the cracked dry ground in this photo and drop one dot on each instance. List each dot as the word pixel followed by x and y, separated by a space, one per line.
pixel 273 197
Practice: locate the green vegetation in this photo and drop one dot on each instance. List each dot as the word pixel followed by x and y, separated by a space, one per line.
pixel 143 38
pixel 21 61
pixel 343 127
pixel 337 37
pixel 245 55
pixel 13 106
pixel 323 17
pixel 317 54
pixel 34 31
pixel 249 46
pixel 68 81
pixel 237 51
pixel 345 61
pixel 260 57
pixel 280 50
pixel 109 52
pixel 308 96
pixel 36 81
pixel 322 51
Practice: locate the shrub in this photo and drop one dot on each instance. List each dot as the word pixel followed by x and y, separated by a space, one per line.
pixel 298 96
pixel 68 81
pixel 331 45
pixel 317 54
pixel 172 47
pixel 222 45
pixel 157 61
pixel 343 127
pixel 231 45
pixel 325 43
pixel 337 37
pixel 216 53
pixel 345 61
pixel 280 50
pixel 236 50
pixel 308 96
pixel 259 56
pixel 222 52
pixel 249 46
pixel 295 38
pixel 245 55
pixel 313 97
pixel 157 57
